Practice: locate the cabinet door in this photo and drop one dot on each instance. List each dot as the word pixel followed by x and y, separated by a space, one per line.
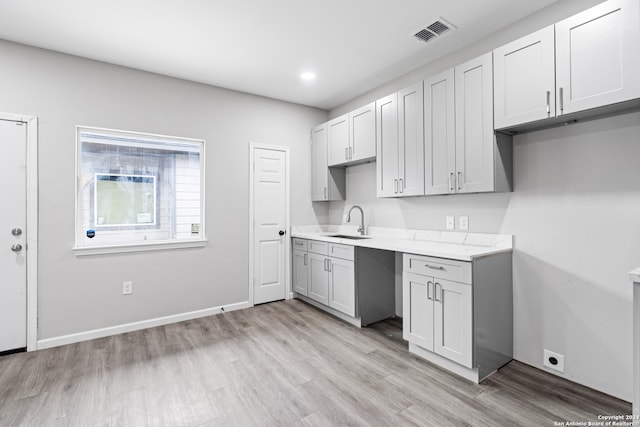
pixel 342 286
pixel 439 134
pixel 387 146
pixel 474 125
pixel 597 59
pixel 338 140
pixel 319 169
pixel 318 285
pixel 524 79
pixel 362 125
pixel 453 321
pixel 411 141
pixel 417 308
pixel 300 273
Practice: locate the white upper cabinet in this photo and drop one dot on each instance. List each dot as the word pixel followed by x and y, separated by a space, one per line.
pixel 326 184
pixel 598 56
pixel 475 148
pixel 362 137
pixel 587 61
pixel 411 141
pixel 525 80
pixel 338 139
pixel 463 154
pixel 387 146
pixel 400 140
pixel 439 134
pixel 352 137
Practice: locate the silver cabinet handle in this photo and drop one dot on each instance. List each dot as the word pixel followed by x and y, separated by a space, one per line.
pixel 329 265
pixel 305 259
pixel 325 265
pixel 401 185
pixel 548 102
pixel 561 96
pixel 16 248
pixel 325 193
pixel 395 185
pixel 350 154
pixel 436 292
pixel 434 267
pixel 451 178
pixel 459 180
pixel 346 153
pixel 429 290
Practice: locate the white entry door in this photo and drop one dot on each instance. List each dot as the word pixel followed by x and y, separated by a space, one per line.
pixel 269 224
pixel 13 265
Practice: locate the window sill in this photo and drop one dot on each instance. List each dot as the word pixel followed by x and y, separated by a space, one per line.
pixel 138 247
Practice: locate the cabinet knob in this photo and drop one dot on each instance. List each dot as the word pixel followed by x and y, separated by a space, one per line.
pixel 281 232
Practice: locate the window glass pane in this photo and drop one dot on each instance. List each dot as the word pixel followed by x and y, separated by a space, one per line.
pixel 137 188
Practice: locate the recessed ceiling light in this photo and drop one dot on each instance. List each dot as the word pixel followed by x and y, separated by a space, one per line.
pixel 307 76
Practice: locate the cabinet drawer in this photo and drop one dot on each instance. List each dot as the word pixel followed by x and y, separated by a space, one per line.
pixel 318 247
pixel 341 251
pixel 299 244
pixel 457 271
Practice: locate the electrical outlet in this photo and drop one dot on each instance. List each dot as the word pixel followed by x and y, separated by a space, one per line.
pixel 450 223
pixel 464 223
pixel 127 288
pixel 553 360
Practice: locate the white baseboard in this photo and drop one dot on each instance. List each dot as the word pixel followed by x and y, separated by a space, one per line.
pixel 136 326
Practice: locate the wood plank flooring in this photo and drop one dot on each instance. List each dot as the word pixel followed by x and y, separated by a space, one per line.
pixel 279 364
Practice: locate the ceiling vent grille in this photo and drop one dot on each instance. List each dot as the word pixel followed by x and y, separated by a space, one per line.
pixel 433 30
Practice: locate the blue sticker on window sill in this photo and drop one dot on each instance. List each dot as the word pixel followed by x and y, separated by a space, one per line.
pixel 91 233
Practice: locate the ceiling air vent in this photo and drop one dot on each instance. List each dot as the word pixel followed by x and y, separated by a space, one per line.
pixel 433 30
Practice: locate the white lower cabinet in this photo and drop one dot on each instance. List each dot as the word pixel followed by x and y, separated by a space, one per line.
pixel 357 286
pixel 342 285
pixel 300 271
pixel 438 316
pixel 318 278
pixel 458 314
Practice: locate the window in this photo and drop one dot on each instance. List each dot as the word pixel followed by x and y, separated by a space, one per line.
pixel 138 191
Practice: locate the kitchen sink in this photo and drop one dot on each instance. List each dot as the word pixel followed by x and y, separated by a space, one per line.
pixel 346 236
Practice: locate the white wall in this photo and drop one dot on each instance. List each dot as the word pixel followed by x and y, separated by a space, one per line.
pixel 575 215
pixel 81 294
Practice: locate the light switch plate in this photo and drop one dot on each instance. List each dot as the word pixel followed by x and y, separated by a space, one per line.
pixel 450 223
pixel 464 223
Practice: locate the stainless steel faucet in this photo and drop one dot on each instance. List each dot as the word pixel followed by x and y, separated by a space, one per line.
pixel 361 228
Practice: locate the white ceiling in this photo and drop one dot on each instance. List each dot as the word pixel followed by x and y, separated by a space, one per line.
pixel 260 46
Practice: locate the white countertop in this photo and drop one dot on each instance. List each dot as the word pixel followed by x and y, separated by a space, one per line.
pixel 634 275
pixel 442 244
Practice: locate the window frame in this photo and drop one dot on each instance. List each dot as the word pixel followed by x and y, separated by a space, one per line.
pixel 152 245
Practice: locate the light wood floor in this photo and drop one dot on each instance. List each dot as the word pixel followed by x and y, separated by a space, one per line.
pixel 284 363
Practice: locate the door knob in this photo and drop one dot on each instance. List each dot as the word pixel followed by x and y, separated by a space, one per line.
pixel 281 232
pixel 16 248
pixel 16 231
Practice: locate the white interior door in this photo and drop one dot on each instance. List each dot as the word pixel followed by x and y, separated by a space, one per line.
pixel 13 265
pixel 270 224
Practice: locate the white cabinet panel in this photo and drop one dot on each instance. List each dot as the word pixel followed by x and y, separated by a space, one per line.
pixel 318 286
pixel 338 140
pixel 597 56
pixel 387 145
pixel 362 138
pixel 439 133
pixel 453 321
pixel 417 307
pixel 474 125
pixel 300 271
pixel 524 79
pixel 411 141
pixel 342 292
pixel 326 184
